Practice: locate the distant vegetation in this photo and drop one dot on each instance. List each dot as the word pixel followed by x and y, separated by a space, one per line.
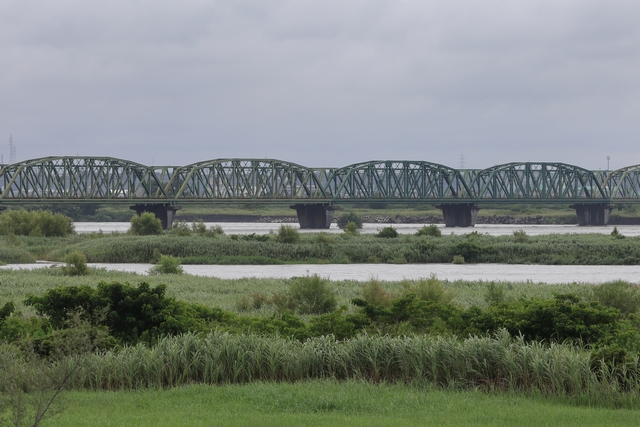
pixel 35 223
pixel 212 246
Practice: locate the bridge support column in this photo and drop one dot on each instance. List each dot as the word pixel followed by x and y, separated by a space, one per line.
pixel 459 215
pixel 592 214
pixel 315 216
pixel 2 208
pixel 163 211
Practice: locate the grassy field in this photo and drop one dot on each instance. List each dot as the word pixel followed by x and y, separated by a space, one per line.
pixel 15 285
pixel 327 403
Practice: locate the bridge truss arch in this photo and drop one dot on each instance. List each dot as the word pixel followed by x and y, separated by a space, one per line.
pixel 79 179
pixel 624 184
pixel 539 183
pixel 405 181
pixel 246 180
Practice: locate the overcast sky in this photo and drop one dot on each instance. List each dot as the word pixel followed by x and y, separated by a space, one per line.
pixel 322 83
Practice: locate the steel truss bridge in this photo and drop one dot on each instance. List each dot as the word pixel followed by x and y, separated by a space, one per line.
pixel 77 180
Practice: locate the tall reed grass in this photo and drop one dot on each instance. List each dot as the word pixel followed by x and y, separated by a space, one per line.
pixel 498 363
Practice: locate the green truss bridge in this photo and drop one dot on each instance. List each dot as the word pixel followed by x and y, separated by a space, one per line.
pixel 316 192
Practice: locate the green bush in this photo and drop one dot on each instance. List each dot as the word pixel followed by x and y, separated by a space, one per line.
pixel 181 228
pixel 35 223
pixel 198 227
pixel 311 295
pixel 563 318
pixel 145 224
pixel 374 294
pixel 619 294
pixel 350 217
pixel 76 265
pixel 458 259
pixel 430 230
pixel 520 236
pixel 615 233
pixel 215 231
pixel 470 250
pixel 131 313
pixel 388 233
pixel 495 294
pixel 428 289
pixel 167 264
pixel 288 234
pixel 351 229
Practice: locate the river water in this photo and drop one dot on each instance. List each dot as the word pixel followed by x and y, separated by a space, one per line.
pixel 488 272
pixel 492 229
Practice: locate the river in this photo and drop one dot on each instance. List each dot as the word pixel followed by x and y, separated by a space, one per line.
pixel 552 274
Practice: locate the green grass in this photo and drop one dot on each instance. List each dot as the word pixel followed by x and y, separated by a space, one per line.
pixel 327 403
pixel 15 285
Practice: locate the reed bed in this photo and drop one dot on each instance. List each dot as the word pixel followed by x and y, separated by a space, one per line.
pixel 586 249
pixel 498 363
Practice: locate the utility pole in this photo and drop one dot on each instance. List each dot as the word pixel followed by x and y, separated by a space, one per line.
pixel 461 161
pixel 608 158
pixel 12 150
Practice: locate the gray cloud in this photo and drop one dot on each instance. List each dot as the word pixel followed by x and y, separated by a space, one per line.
pixel 322 83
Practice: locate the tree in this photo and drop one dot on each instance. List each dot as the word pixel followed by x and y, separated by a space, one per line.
pixel 288 234
pixel 350 217
pixel 145 224
pixel 76 265
pixel 35 223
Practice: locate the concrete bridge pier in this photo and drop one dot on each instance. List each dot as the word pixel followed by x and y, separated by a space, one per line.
pixel 163 211
pixel 459 215
pixel 592 214
pixel 315 216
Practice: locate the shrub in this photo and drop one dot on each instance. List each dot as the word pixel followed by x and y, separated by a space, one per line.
pixel 520 236
pixel 350 217
pixel 562 318
pixel 217 230
pixel 619 294
pixel 373 293
pixel 311 295
pixel 494 294
pixel 181 228
pixel 243 304
pixel 288 234
pixel 167 265
pixel 431 230
pixel 325 239
pixel 458 259
pixel 388 233
pixel 469 249
pixel 35 223
pixel 198 226
pixel 76 265
pixel 351 229
pixel 615 233
pixel 429 289
pixel 131 313
pixel 145 224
